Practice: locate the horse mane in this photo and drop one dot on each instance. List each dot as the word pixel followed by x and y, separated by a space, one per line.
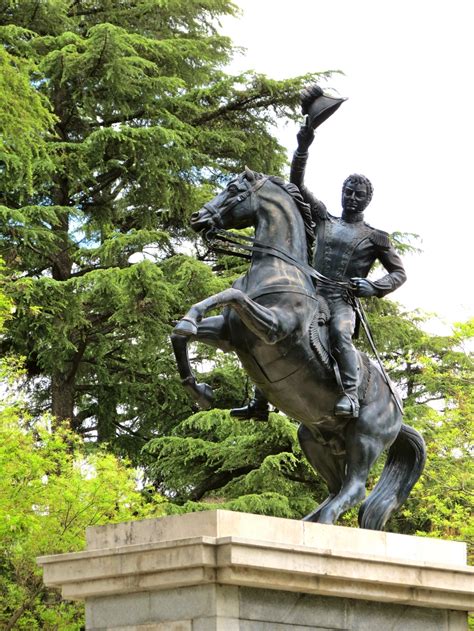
pixel 304 209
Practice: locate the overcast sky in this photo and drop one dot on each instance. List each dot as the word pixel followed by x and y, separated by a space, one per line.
pixel 408 123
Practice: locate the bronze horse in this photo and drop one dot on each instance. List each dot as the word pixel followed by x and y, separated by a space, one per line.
pixel 275 322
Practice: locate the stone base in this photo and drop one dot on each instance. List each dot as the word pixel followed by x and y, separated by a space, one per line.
pixel 232 571
pixel 228 608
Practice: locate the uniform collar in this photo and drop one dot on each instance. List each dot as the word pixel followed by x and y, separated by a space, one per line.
pixel 352 217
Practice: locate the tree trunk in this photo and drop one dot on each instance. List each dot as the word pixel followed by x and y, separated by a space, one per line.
pixel 62 264
pixel 62 398
pixel 106 415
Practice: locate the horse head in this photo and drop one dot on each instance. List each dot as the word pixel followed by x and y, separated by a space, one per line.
pixel 232 207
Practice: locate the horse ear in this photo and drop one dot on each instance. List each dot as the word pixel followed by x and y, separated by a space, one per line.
pixel 250 175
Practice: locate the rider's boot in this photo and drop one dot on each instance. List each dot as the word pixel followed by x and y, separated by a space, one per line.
pixel 257 408
pixel 348 403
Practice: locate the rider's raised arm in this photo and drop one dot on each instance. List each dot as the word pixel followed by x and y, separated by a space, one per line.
pixel 393 264
pixel 304 137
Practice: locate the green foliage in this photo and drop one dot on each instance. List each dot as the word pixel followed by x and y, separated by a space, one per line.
pixel 51 489
pixel 440 387
pixel 6 305
pixel 24 123
pixel 211 460
pixel 147 126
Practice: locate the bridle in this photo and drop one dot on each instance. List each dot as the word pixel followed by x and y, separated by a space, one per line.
pixel 216 215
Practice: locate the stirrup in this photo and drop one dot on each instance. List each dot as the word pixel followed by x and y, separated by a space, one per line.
pixel 254 410
pixel 347 405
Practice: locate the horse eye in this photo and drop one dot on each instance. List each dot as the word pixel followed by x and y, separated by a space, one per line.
pixel 232 188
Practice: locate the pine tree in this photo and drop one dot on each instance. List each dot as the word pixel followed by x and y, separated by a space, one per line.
pixel 146 125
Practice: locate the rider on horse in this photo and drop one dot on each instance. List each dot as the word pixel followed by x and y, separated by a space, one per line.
pixel 346 249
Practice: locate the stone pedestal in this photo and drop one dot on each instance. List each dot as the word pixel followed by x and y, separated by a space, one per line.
pixel 228 571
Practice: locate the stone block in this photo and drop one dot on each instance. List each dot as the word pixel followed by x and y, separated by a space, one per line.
pixel 228 523
pixel 216 623
pixel 227 571
pixel 293 608
pixel 179 625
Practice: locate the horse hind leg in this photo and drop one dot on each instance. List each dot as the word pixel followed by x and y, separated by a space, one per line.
pixel 329 466
pixel 362 450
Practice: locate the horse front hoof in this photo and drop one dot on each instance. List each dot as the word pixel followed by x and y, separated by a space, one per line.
pixel 312 517
pixel 205 396
pixel 202 393
pixel 319 517
pixel 315 515
pixel 186 327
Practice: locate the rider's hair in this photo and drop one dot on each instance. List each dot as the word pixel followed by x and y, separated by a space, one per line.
pixel 356 178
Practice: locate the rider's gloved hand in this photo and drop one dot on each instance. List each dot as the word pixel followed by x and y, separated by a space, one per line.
pixel 363 288
pixel 305 137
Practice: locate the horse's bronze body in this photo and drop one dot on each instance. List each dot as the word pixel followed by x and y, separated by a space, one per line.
pixel 271 321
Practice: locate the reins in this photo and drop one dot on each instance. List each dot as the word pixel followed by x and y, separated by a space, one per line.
pixel 235 239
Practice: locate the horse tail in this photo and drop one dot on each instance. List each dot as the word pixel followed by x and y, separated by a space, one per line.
pixel 403 467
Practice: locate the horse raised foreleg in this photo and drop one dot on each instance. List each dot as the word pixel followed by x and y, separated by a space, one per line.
pixel 262 321
pixel 211 331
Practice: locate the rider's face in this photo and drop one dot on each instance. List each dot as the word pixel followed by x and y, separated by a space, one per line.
pixel 354 197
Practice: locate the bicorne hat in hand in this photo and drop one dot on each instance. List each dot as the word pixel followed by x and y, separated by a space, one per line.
pixel 318 106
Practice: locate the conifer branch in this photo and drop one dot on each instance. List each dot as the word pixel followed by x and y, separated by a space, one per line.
pixel 119 118
pixel 217 481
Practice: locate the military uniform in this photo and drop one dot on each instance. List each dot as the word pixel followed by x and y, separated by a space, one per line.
pixel 346 247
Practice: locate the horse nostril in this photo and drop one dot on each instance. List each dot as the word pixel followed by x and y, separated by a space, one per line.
pixel 195 216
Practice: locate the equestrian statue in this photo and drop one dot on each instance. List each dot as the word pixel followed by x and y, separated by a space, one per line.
pixel 291 318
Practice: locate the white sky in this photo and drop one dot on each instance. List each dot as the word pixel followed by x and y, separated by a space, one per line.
pixel 408 124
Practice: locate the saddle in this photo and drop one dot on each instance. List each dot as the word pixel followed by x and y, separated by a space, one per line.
pixel 321 345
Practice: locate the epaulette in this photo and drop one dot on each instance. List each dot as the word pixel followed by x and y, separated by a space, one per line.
pixel 380 238
pixel 319 210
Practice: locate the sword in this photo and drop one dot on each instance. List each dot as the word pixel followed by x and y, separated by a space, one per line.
pixel 365 325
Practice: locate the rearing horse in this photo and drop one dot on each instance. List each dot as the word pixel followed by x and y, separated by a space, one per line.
pixel 274 320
